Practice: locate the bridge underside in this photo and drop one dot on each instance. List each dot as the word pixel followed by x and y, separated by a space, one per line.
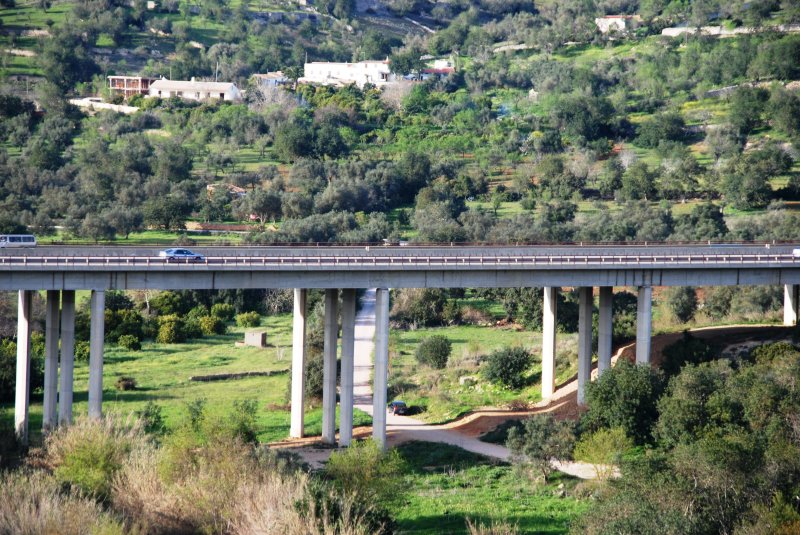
pixel 175 279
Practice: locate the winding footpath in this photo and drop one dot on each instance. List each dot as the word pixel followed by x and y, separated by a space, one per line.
pixel 401 429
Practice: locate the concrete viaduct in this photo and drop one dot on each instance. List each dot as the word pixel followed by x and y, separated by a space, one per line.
pixel 62 270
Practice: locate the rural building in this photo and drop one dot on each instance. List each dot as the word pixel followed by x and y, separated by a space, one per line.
pixel 340 74
pixel 271 79
pixel 195 90
pixel 616 23
pixel 441 68
pixel 130 85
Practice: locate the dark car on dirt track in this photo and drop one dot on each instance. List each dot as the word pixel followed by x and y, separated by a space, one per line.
pixel 398 407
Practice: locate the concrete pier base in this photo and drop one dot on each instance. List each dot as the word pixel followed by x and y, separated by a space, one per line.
pixel 96 340
pixel 298 364
pixel 23 382
pixel 584 342
pixel 604 329
pixel 67 357
pixel 549 342
pixel 348 355
pixel 381 373
pixel 790 304
pixel 329 367
pixel 644 329
pixel 49 409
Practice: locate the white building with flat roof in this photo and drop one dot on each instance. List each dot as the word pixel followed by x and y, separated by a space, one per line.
pixel 195 90
pixel 376 73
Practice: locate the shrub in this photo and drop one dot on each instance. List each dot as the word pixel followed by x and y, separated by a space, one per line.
pixel 32 502
pixel 248 319
pixel 87 454
pixel 243 420
pixel 192 329
pixel 507 366
pixel 8 368
pixel 682 302
pixel 171 330
pixel 197 312
pixel 129 342
pixel 125 383
pixel 688 350
pixel 152 419
pixel 539 440
pixel 212 325
pixel 223 311
pixel 82 351
pixel 625 396
pixel 418 307
pixel 603 449
pixel 314 376
pixel 366 471
pixel 434 351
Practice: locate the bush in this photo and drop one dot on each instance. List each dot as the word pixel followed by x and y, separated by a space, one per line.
pixel 539 440
pixel 366 471
pixel 434 351
pixel 314 376
pixel 688 350
pixel 192 329
pixel 603 449
pixel 125 383
pixel 33 502
pixel 130 342
pixel 212 325
pixel 87 454
pixel 507 366
pixel 197 312
pixel 625 396
pixel 8 368
pixel 682 302
pixel 82 351
pixel 418 307
pixel 152 419
pixel 248 319
pixel 171 330
pixel 223 311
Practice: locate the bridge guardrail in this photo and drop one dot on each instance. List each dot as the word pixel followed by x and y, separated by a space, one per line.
pixel 400 261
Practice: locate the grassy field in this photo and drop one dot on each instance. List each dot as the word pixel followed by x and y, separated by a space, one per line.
pixel 446 485
pixel 162 375
pixel 441 393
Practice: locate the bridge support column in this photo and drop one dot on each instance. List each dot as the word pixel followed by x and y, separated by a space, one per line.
pixel 381 373
pixel 96 339
pixel 298 364
pixel 348 353
pixel 67 357
pixel 584 341
pixel 329 367
pixel 790 302
pixel 605 329
pixel 644 325
pixel 549 342
pixel 22 398
pixel 50 361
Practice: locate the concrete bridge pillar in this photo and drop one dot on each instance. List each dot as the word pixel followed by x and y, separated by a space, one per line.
pixel 329 367
pixel 50 360
pixel 298 364
pixel 790 303
pixel 96 340
pixel 549 342
pixel 381 373
pixel 644 324
pixel 22 398
pixel 604 329
pixel 67 357
pixel 348 354
pixel 584 341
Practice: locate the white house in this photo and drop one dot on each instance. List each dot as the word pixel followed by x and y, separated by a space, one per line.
pixel 195 90
pixel 376 73
pixel 616 23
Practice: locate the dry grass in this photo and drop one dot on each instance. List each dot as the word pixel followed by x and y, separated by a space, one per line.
pixel 496 528
pixel 31 502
